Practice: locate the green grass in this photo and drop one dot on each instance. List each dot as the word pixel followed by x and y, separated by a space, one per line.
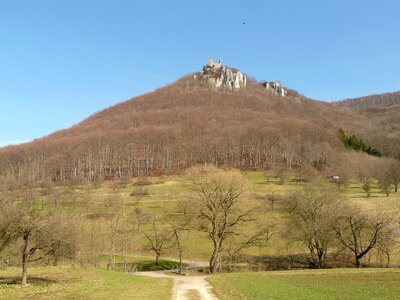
pixel 77 283
pixel 171 193
pixel 320 284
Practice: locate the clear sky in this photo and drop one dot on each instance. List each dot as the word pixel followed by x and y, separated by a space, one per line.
pixel 62 60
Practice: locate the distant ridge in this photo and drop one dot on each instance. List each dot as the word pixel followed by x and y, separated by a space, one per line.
pixel 372 100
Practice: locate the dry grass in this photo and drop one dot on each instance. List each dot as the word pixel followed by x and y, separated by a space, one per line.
pixel 76 283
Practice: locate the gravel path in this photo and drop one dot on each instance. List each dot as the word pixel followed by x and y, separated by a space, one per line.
pixel 184 285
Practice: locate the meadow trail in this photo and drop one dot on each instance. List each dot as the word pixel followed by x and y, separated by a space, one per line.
pixel 185 287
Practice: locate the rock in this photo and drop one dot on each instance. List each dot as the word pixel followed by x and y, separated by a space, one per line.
pixel 276 87
pixel 222 77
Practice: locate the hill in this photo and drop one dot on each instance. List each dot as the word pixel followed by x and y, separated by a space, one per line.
pixel 188 122
pixel 372 100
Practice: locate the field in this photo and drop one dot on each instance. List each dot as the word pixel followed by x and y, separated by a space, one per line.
pixel 171 194
pixel 162 196
pixel 77 283
pixel 309 284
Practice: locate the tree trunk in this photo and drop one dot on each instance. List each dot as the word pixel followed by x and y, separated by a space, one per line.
pixel 214 261
pixel 109 265
pixel 357 262
pixel 180 262
pixel 388 259
pixel 321 258
pixel 55 261
pixel 25 259
pixel 24 272
pixel 157 257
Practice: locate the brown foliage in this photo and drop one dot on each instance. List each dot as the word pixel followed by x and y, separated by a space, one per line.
pixel 182 125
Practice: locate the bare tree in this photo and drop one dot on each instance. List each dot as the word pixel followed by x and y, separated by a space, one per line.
pixel 394 174
pixel 125 233
pixel 139 193
pixel 385 183
pixel 272 198
pixel 313 212
pixel 157 237
pixel 140 218
pixel 9 217
pixel 268 201
pixel 397 211
pixel 113 205
pixel 267 176
pixel 38 233
pixel 220 213
pixel 94 244
pixel 282 174
pixel 366 186
pixel 306 172
pixel 178 225
pixel 344 178
pixel 360 233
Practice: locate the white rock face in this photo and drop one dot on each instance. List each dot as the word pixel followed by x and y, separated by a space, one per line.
pixel 276 87
pixel 222 77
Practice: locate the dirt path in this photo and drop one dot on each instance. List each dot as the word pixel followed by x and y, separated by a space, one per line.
pixel 184 286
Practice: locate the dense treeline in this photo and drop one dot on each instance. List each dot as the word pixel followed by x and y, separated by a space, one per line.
pixel 163 153
pixel 355 143
pixel 182 125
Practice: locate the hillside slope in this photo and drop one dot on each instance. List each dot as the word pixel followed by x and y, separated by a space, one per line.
pixel 383 113
pixel 372 100
pixel 186 123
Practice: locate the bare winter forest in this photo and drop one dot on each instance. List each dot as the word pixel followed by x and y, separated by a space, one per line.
pixel 186 123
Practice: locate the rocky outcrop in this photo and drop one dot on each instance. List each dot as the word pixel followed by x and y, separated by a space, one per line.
pixel 276 87
pixel 222 77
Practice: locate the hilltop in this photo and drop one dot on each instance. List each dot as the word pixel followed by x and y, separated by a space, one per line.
pixel 217 116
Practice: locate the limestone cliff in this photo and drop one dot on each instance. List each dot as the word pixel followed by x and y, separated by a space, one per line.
pixel 222 77
pixel 276 87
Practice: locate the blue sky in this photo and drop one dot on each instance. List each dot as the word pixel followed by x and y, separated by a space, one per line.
pixel 61 61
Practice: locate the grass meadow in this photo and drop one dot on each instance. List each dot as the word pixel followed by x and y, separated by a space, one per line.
pixel 170 194
pixel 67 282
pixel 309 284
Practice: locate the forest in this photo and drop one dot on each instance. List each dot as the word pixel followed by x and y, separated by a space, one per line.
pixel 185 123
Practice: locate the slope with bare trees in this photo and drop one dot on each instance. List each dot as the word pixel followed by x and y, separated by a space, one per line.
pixel 187 123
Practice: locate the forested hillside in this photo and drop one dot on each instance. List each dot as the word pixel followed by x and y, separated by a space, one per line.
pixel 186 123
pixel 372 100
pixel 383 114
